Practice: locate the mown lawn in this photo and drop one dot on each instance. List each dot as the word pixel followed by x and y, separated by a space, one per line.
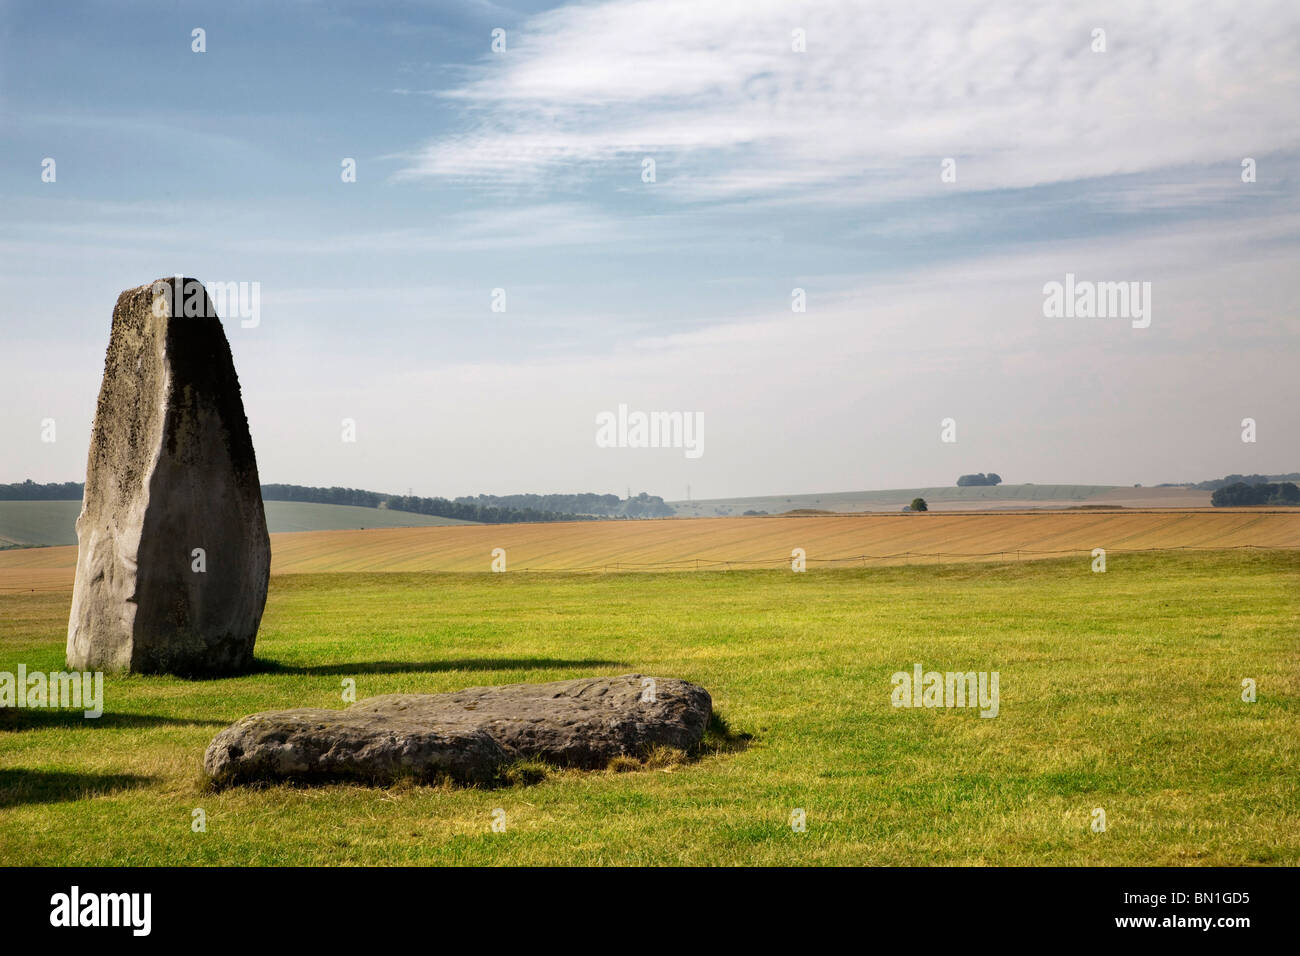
pixel 1119 691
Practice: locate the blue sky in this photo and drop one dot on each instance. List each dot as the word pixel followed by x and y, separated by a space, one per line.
pixel 775 170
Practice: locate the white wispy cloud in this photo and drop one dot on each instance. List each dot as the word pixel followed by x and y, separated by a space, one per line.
pixel 1012 91
pixel 94 225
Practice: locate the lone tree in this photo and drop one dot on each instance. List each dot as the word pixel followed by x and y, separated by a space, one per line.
pixel 918 504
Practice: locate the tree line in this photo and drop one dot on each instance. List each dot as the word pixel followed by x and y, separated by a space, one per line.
pixel 463 509
pixel 587 503
pixel 1241 494
pixel 1214 484
pixel 437 507
pixel 967 481
pixel 30 491
pixel 324 496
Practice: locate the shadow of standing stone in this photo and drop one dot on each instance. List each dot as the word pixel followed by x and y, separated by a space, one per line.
pixel 173 555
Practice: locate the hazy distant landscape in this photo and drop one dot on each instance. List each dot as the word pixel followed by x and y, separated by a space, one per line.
pixel 32 524
pixel 944 498
pixel 43 523
pixel 27 524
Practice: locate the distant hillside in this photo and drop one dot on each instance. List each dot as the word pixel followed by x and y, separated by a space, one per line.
pixel 893 499
pixel 459 510
pixel 1214 484
pixel 438 507
pixel 29 524
pixel 34 515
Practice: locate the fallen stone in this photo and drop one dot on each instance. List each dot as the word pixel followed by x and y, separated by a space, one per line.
pixel 313 743
pixel 173 555
pixel 467 735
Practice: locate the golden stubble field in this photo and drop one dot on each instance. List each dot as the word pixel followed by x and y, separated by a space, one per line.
pixel 722 543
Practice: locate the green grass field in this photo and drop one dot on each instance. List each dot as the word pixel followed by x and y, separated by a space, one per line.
pixel 1119 691
pixel 34 524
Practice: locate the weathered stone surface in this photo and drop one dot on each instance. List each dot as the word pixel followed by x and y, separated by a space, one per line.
pixel 171 469
pixel 468 734
pixel 316 744
pixel 580 723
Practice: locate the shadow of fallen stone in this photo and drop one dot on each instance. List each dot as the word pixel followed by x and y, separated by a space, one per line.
pixel 263 666
pixel 720 738
pixel 27 718
pixel 19 786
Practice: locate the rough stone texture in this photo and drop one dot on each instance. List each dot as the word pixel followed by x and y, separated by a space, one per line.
pixel 312 743
pixel 171 468
pixel 467 735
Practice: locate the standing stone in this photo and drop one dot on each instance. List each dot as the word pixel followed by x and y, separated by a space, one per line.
pixel 171 470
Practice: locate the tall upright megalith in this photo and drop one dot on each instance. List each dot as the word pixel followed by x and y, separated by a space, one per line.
pixel 173 555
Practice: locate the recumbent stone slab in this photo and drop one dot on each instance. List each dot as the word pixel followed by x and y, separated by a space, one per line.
pixel 467 735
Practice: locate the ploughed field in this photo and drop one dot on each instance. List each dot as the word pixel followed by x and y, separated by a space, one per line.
pixel 738 543
pixel 1119 691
